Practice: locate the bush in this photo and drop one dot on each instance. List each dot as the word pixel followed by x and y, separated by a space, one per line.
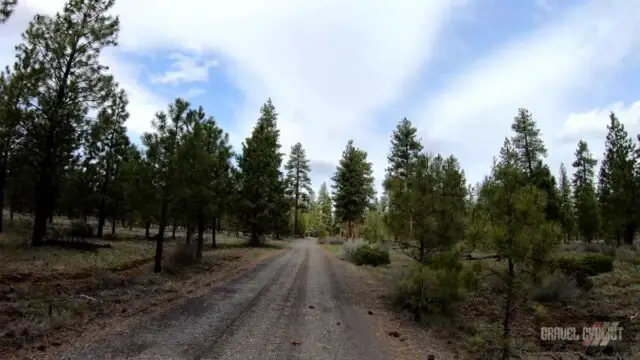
pixel 589 264
pixel 323 234
pixel 184 255
pixel 559 289
pixel 626 255
pixel 591 248
pixel 349 249
pixel 369 255
pixel 434 288
pixel 80 229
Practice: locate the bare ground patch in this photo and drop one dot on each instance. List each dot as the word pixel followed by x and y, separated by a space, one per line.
pixel 52 298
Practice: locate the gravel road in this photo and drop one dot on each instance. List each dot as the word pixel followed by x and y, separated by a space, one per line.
pixel 290 307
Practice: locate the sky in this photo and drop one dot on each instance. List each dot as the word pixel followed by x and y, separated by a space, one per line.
pixel 336 70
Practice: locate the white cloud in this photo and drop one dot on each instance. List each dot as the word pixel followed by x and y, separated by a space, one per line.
pixel 546 71
pixel 328 66
pixel 186 69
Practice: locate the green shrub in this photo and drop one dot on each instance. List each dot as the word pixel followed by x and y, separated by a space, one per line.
pixel 595 264
pixel 591 248
pixel 433 289
pixel 369 255
pixel 588 264
pixel 322 234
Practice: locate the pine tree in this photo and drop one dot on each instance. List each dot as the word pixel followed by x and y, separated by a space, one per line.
pixel 298 181
pixel 262 185
pixel 616 185
pixel 326 207
pixel 403 156
pixel 567 213
pixel 106 149
pixel 584 193
pixel 61 79
pixel 352 187
pixel 517 230
pixel 530 151
pixel 527 142
pixel 161 154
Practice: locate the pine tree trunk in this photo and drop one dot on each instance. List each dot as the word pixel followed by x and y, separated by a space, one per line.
pixel 173 230
pixel 101 220
pixel 213 235
pixel 3 181
pixel 506 325
pixel 147 225
pixel 113 226
pixel 160 240
pixel 200 239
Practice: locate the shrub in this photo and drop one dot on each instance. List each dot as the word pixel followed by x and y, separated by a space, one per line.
pixel 588 264
pixel 595 264
pixel 322 234
pixel 349 249
pixel 433 289
pixel 591 248
pixel 183 255
pixel 369 255
pixel 559 289
pixel 626 255
pixel 80 229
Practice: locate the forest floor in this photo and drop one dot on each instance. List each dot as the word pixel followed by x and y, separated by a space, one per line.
pixel 51 296
pixel 475 328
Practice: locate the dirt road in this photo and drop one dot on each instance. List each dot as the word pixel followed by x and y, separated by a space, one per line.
pixel 291 307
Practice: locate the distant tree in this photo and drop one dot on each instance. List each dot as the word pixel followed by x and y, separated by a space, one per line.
pixel 262 185
pixel 584 193
pixel 326 207
pixel 299 182
pixel 352 186
pixel 403 156
pixel 567 212
pixel 530 151
pixel 616 185
pixel 61 77
pixel 106 149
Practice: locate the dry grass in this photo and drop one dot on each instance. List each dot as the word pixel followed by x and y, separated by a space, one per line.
pixel 49 295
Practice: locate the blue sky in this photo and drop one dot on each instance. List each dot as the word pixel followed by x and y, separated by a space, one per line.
pixel 459 69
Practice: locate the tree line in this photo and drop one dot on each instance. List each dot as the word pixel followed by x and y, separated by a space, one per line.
pixel 64 148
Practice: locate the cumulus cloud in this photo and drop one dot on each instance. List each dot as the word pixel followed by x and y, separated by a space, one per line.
pixel 331 66
pixel 546 71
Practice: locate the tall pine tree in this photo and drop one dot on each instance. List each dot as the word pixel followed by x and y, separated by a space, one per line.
pixel 567 213
pixel 616 185
pixel 298 182
pixel 403 156
pixel 62 79
pixel 352 187
pixel 584 193
pixel 262 185
pixel 326 206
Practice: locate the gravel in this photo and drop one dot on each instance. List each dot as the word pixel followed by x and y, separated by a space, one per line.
pixel 290 307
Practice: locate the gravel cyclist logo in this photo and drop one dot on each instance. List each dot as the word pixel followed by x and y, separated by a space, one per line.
pixel 601 333
pixel 598 334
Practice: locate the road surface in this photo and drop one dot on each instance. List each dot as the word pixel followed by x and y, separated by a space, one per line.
pixel 290 307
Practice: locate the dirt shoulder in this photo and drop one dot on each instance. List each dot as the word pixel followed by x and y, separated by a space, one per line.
pixel 368 288
pixel 46 313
